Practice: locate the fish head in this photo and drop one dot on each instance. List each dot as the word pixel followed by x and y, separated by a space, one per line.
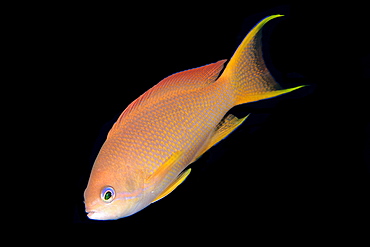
pixel 113 194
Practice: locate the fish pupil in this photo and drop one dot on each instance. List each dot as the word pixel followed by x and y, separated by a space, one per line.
pixel 107 195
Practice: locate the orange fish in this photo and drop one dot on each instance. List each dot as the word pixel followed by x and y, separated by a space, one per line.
pixel 168 127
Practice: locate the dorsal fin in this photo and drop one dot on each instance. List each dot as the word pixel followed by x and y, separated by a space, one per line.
pixel 181 82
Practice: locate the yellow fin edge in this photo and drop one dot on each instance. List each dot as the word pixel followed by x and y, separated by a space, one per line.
pixel 270 94
pixel 165 168
pixel 253 33
pixel 173 185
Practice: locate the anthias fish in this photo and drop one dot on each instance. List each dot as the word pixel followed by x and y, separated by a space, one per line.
pixel 172 124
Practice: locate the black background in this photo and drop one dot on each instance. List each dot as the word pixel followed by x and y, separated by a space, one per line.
pixel 300 163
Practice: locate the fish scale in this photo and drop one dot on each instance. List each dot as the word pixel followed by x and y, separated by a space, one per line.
pixel 148 152
pixel 172 124
pixel 149 133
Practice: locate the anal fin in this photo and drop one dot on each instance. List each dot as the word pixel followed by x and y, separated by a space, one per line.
pixel 223 129
pixel 173 185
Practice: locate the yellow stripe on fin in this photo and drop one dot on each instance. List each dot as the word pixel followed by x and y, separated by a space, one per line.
pixel 173 185
pixel 165 168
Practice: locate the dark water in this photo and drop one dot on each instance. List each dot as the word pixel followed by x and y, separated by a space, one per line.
pixel 301 160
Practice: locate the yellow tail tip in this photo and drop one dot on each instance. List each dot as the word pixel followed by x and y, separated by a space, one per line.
pixel 269 18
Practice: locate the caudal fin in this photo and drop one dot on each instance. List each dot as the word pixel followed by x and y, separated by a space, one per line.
pixel 247 73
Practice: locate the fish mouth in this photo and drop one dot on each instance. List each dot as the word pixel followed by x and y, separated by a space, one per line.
pixel 90 214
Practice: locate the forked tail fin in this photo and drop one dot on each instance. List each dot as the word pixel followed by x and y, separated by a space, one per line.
pixel 247 73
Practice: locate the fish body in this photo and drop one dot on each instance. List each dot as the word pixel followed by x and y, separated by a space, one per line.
pixel 168 127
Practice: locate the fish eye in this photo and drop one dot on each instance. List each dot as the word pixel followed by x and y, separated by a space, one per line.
pixel 107 194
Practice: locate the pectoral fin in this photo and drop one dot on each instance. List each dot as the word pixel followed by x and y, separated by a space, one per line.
pixel 162 171
pixel 173 185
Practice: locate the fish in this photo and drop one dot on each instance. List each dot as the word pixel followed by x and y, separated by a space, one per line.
pixel 148 149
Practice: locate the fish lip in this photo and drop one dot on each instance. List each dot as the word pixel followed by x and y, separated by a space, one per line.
pixel 90 213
